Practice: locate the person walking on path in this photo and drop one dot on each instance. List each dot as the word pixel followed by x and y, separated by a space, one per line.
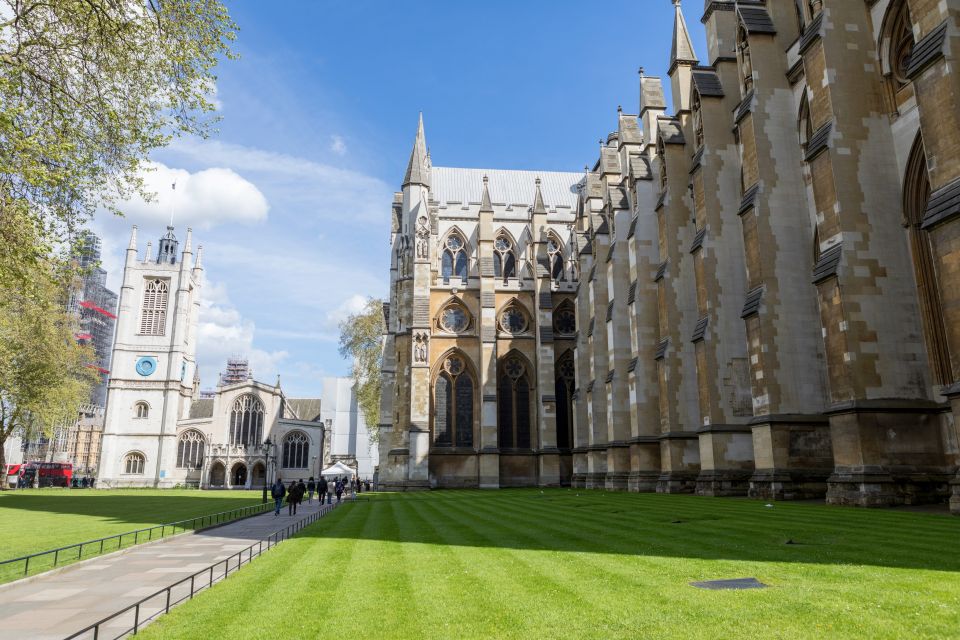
pixel 331 487
pixel 311 489
pixel 293 498
pixel 322 490
pixel 301 491
pixel 278 491
pixel 339 490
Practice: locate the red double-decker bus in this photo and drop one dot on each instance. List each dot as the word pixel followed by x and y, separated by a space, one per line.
pixel 49 474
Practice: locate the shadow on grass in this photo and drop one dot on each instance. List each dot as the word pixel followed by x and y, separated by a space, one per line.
pixel 678 526
pixel 126 508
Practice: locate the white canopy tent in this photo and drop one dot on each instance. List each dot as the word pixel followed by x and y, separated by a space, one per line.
pixel 338 469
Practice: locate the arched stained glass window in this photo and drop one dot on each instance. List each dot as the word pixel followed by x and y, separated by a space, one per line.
pixel 513 404
pixel 453 405
pixel 745 60
pixel 504 257
pixel 190 450
pixel 133 463
pixel 564 392
pixel 555 255
pixel 296 446
pixel 901 43
pixel 246 421
pixel 453 260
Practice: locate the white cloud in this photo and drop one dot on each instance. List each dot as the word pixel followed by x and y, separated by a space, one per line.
pixel 331 193
pixel 337 145
pixel 202 200
pixel 353 304
pixel 223 333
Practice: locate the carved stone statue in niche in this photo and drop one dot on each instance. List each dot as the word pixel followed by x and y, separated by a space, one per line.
pixel 423 238
pixel 420 341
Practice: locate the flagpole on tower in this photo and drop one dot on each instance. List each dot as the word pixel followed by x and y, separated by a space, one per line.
pixel 173 196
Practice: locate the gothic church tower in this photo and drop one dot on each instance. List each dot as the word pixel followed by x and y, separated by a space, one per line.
pixel 154 364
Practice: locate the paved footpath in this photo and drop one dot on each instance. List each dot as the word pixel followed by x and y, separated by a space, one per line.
pixel 59 603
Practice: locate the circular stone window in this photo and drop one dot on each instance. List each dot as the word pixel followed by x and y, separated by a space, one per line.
pixel 454 319
pixel 454 243
pixel 513 321
pixel 502 244
pixel 453 365
pixel 565 322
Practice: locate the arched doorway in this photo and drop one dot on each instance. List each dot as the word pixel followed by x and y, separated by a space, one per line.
pixel 218 474
pixel 259 475
pixel 238 476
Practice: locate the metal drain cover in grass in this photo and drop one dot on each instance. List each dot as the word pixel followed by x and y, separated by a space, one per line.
pixel 736 583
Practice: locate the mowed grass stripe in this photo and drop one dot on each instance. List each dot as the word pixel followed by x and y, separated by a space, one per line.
pixel 520 564
pixel 513 584
pixel 287 578
pixel 729 534
pixel 573 580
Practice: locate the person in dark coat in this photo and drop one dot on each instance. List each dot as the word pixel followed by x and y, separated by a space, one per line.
pixel 301 491
pixel 277 490
pixel 339 490
pixel 293 498
pixel 322 489
pixel 311 489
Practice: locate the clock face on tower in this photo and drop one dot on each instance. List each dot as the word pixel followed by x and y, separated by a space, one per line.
pixel 146 365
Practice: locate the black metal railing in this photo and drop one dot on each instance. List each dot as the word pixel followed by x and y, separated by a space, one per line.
pixel 130 620
pixel 46 560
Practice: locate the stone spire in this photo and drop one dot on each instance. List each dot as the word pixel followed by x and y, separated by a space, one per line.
pixel 485 204
pixel 682 49
pixel 418 169
pixel 538 206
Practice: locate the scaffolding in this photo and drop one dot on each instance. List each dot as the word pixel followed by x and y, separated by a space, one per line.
pixel 238 370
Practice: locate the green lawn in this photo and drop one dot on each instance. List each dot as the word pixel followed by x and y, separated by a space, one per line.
pixel 575 564
pixel 40 519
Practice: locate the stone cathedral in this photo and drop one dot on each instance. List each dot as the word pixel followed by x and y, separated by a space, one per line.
pixel 753 292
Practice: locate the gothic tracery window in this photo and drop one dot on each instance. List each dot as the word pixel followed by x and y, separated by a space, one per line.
pixel 153 314
pixel 296 446
pixel 504 257
pixel 454 318
pixel 513 404
pixel 916 194
pixel 901 44
pixel 453 260
pixel 805 124
pixel 564 320
pixel 565 384
pixel 513 320
pixel 745 60
pixel 453 404
pixel 190 450
pixel 555 256
pixel 662 152
pixel 697 119
pixel 133 463
pixel 246 421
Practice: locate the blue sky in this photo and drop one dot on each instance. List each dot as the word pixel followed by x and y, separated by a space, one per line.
pixel 291 198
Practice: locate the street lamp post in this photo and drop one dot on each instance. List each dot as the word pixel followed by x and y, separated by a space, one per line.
pixel 267 448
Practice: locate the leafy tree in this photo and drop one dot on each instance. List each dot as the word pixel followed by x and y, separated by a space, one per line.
pixel 87 89
pixel 44 373
pixel 361 338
